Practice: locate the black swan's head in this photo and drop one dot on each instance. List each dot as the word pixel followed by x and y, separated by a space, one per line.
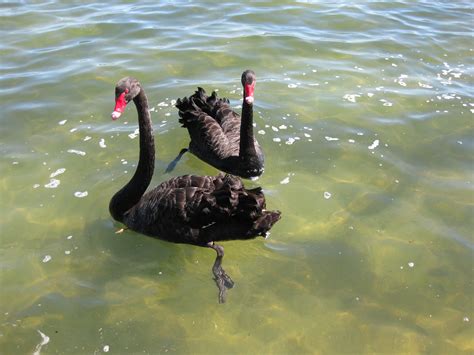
pixel 125 91
pixel 248 82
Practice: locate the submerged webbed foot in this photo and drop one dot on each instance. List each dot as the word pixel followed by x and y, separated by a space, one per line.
pixel 175 161
pixel 223 281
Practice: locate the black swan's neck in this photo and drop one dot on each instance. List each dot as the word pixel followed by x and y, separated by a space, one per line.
pixel 247 144
pixel 131 193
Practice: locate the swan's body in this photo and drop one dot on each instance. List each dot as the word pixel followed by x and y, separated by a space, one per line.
pixel 190 209
pixel 219 136
pixel 200 209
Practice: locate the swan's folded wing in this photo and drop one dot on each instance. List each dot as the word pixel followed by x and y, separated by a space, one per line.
pixel 189 199
pixel 177 214
pixel 187 181
pixel 190 214
pixel 207 136
pixel 228 119
pixel 207 125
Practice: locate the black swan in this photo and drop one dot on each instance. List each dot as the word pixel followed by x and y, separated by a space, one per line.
pixel 198 210
pixel 219 136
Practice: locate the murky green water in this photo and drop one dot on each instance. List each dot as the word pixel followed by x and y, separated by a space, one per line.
pixel 365 115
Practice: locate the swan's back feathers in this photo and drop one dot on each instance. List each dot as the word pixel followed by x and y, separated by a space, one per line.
pixel 201 102
pixel 200 209
pixel 215 132
pixel 213 126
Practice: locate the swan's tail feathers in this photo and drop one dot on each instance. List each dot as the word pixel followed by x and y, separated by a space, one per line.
pixel 251 203
pixel 251 207
pixel 175 161
pixel 265 222
pixel 191 107
pixel 234 182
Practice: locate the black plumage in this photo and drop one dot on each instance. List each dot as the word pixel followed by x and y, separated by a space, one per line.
pixel 219 135
pixel 198 210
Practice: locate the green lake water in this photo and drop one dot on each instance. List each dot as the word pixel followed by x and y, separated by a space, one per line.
pixel 365 113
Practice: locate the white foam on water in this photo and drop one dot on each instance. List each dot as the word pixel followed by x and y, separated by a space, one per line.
pixel 57 172
pixel 53 183
pixel 386 103
pixel 423 85
pixel 44 340
pixel 134 134
pixel 351 97
pixel 75 151
pixel 374 145
pixel 80 194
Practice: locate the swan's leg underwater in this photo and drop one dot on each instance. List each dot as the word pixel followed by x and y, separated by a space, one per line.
pixel 223 281
pixel 175 161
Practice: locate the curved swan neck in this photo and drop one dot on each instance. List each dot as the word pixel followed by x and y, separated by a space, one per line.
pixel 132 192
pixel 247 144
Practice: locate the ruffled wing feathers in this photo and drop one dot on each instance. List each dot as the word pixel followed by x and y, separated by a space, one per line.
pixel 202 209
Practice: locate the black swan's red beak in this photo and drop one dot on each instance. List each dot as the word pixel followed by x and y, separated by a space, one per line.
pixel 120 104
pixel 249 89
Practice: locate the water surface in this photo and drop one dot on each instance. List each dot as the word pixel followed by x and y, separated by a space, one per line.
pixel 365 115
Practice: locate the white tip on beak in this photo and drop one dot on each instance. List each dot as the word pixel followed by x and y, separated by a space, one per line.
pixel 116 114
pixel 249 100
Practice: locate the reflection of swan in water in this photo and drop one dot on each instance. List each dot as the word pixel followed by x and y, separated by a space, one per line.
pixel 190 209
